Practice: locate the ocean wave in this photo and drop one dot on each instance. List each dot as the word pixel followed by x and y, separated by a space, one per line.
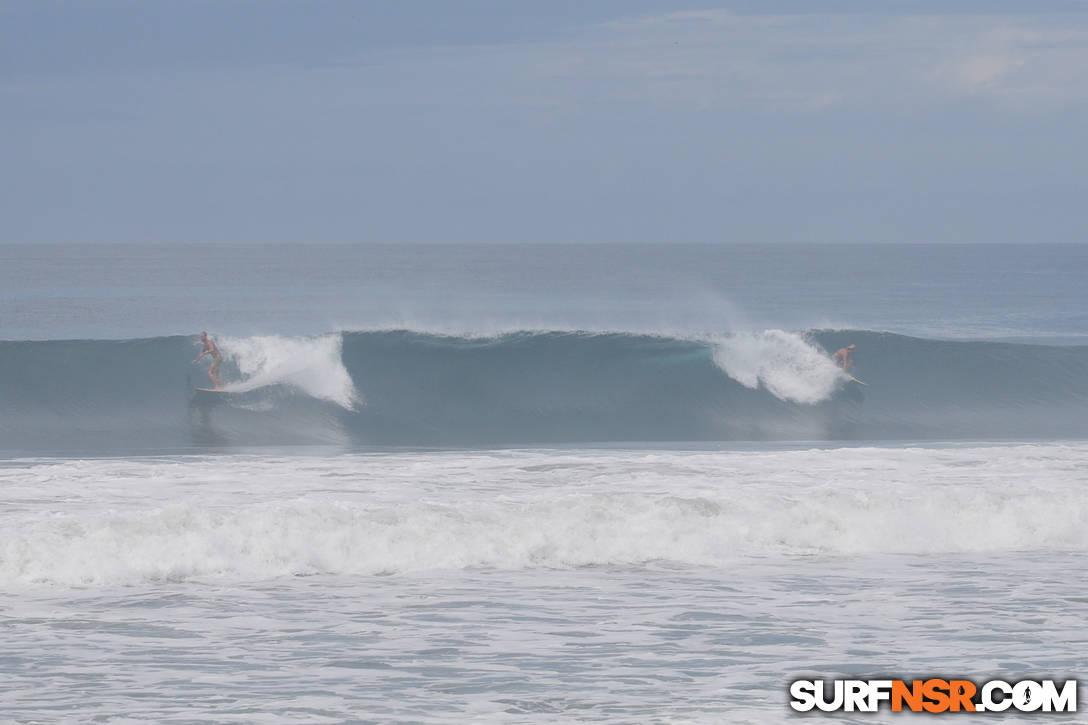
pixel 311 365
pixel 245 518
pixel 785 364
pixel 400 387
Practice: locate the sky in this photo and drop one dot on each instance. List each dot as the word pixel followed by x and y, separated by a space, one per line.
pixel 543 121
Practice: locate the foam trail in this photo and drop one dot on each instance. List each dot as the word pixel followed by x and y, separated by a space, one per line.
pixel 310 364
pixel 788 366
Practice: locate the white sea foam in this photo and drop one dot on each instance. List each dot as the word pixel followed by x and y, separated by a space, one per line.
pixel 312 365
pixel 171 585
pixel 787 365
pixel 119 522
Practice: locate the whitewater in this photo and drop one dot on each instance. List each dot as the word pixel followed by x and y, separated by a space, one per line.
pixel 534 485
pixel 73 523
pixel 530 585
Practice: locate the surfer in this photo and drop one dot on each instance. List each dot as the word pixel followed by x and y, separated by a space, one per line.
pixel 217 359
pixel 842 357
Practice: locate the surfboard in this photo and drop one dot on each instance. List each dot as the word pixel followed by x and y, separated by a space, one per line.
pixel 851 377
pixel 210 390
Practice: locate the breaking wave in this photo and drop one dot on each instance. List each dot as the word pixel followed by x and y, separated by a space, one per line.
pixel 400 387
pixel 312 366
pixel 113 521
pixel 785 364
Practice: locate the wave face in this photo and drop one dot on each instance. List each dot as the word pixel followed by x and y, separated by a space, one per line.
pixel 412 388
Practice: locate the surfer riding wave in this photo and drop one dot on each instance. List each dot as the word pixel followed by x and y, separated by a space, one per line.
pixel 217 359
pixel 842 357
pixel 844 361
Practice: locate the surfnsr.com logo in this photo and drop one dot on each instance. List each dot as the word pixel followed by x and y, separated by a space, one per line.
pixel 934 695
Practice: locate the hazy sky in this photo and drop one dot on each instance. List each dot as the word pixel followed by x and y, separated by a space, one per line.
pixel 543 120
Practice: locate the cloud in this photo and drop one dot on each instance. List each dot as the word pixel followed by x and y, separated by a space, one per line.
pixel 696 126
pixel 1018 64
pixel 814 62
pixel 985 71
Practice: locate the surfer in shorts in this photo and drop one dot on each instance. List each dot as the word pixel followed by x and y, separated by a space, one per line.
pixel 842 357
pixel 217 359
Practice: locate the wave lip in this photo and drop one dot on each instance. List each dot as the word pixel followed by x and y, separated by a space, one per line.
pixel 534 387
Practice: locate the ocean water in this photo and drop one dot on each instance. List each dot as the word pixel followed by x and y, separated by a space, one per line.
pixel 534 484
